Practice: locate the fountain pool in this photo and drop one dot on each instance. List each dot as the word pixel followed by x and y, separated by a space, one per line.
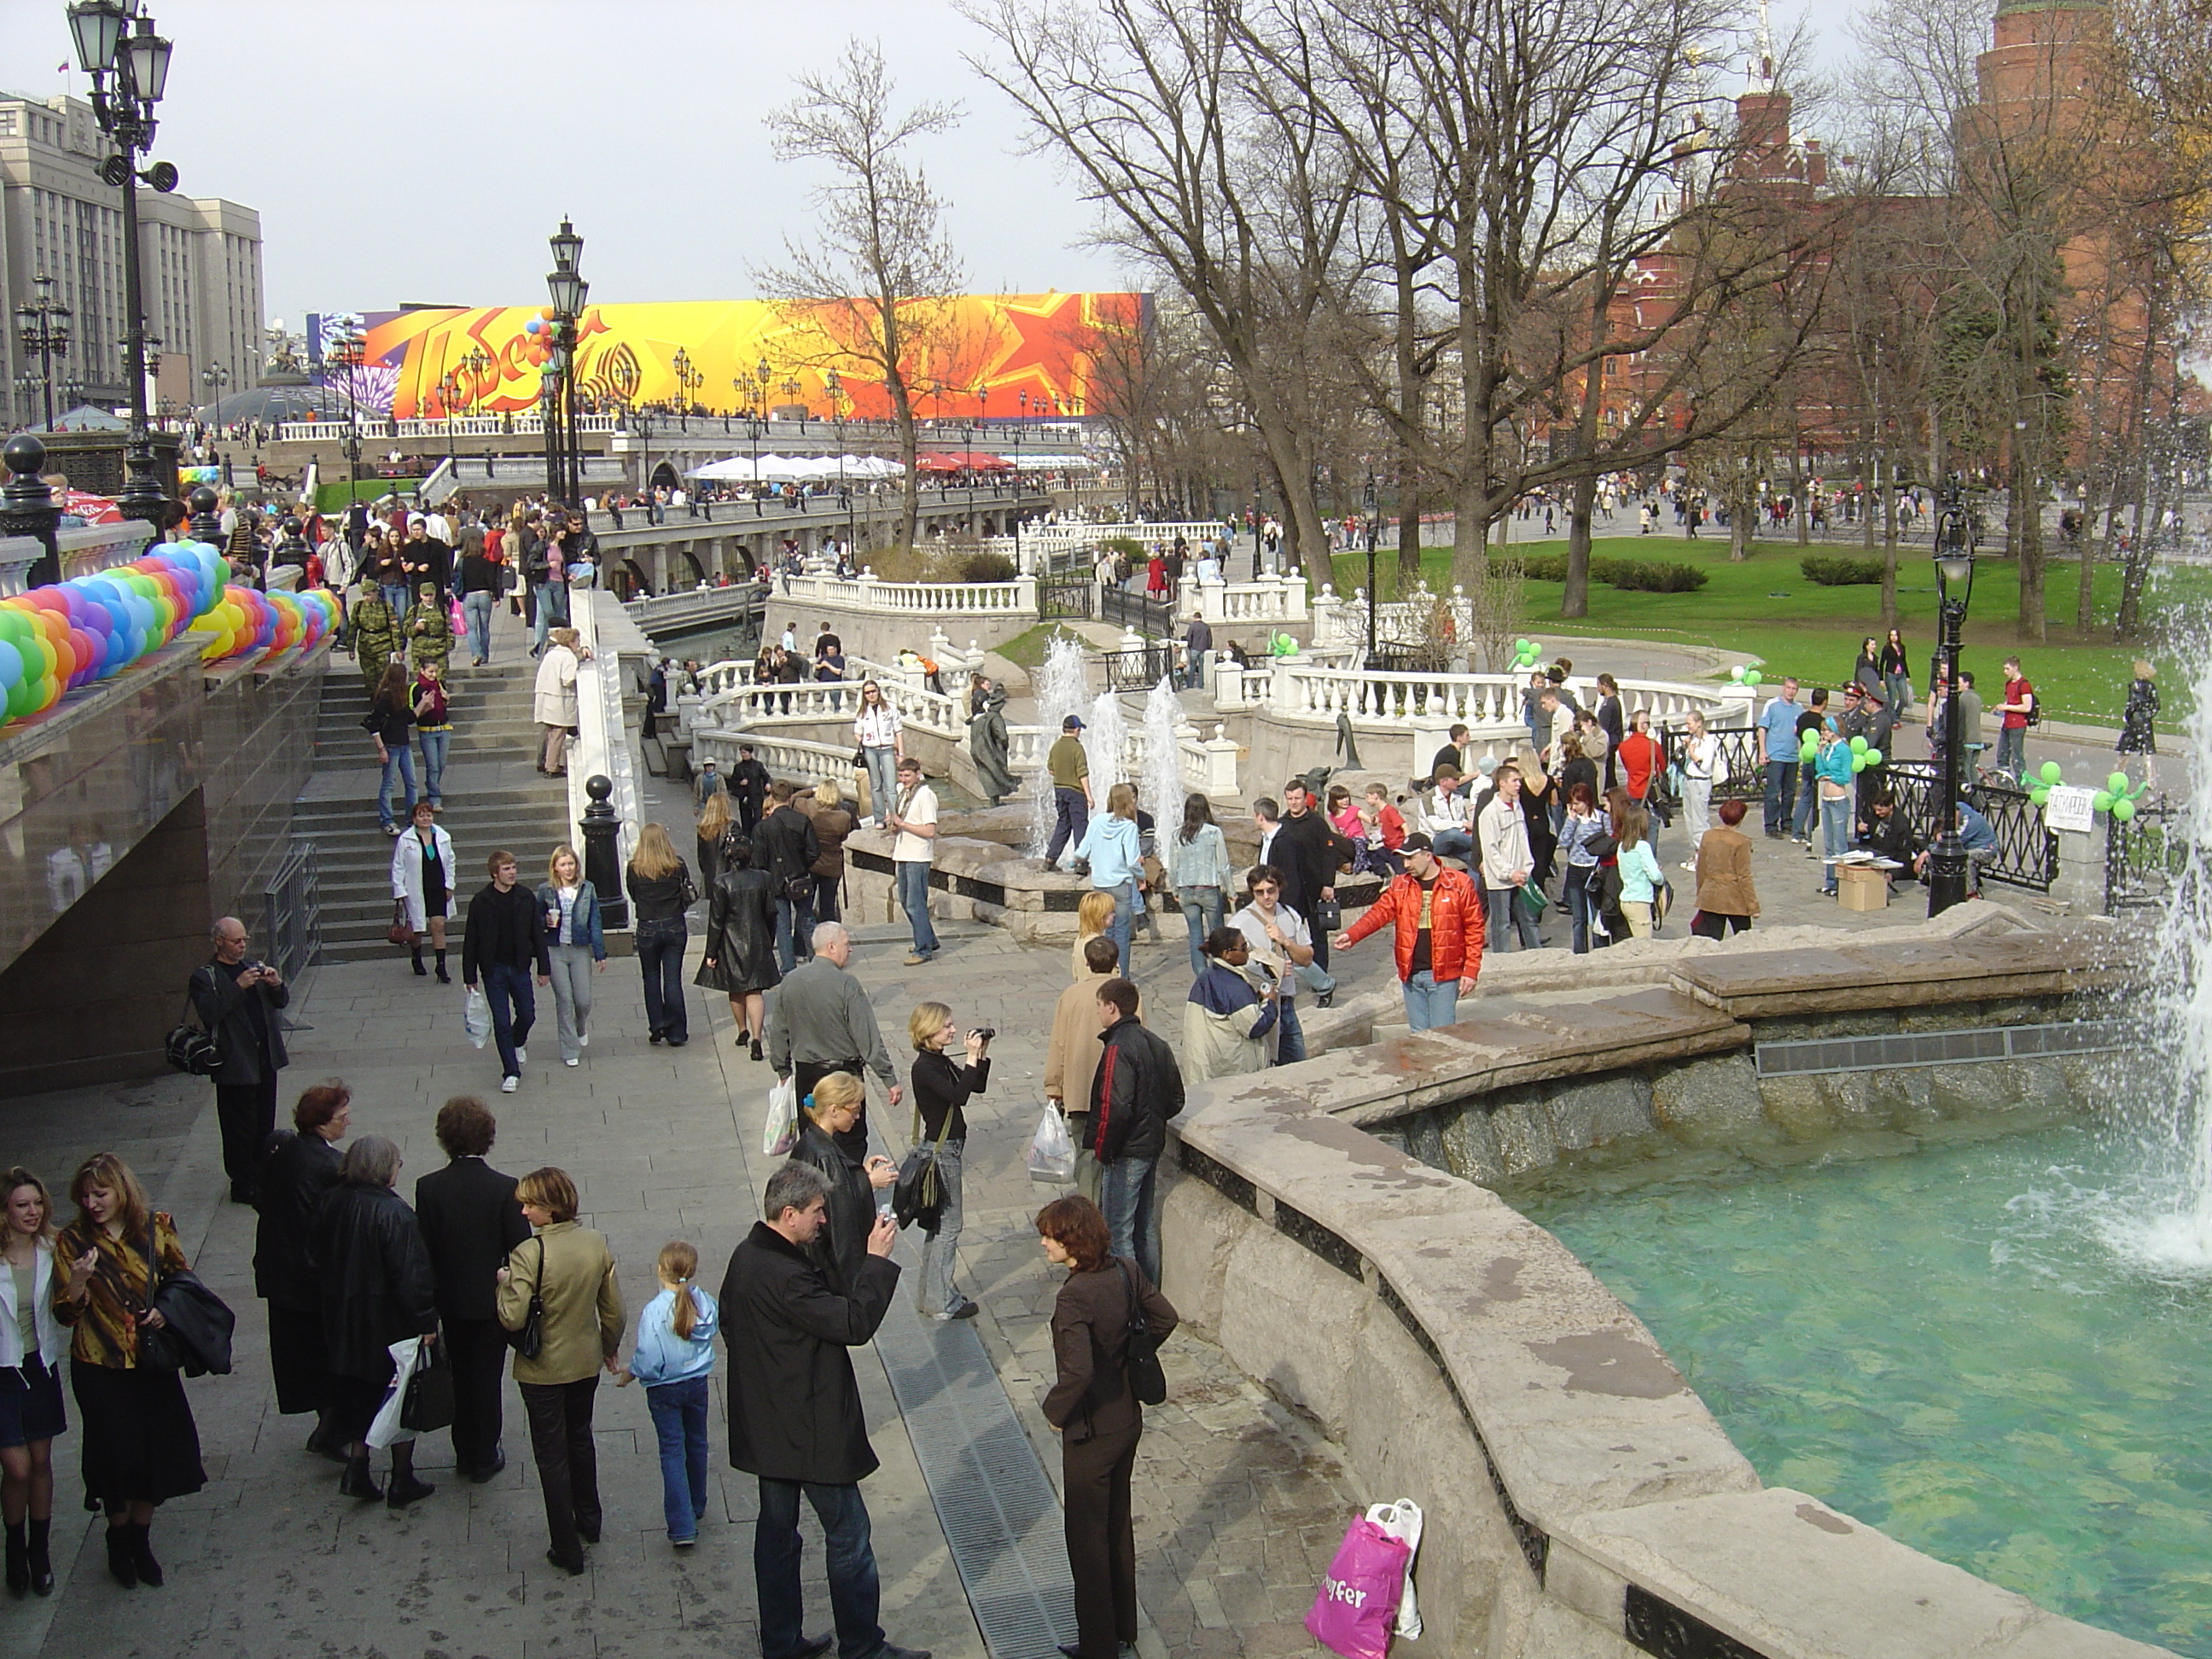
pixel 1946 1344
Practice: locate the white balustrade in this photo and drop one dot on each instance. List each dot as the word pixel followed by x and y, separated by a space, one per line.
pixel 1270 601
pixel 1304 690
pixel 1010 599
pixel 87 550
pixel 601 747
pixel 794 758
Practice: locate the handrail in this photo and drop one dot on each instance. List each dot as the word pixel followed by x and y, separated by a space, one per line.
pixel 865 592
pixel 601 747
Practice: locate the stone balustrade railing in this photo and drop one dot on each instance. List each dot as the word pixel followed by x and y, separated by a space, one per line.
pixel 87 550
pixel 1298 688
pixel 1269 601
pixel 865 592
pixel 602 747
pixel 461 426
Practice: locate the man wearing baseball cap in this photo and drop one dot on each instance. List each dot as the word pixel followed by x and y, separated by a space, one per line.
pixel 1438 921
pixel 1070 788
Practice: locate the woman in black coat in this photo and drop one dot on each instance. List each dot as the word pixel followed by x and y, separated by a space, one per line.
pixel 377 1288
pixel 828 1112
pixel 297 1175
pixel 740 960
pixel 941 1087
pixel 1097 1418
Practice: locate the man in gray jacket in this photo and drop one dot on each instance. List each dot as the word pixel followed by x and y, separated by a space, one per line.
pixel 820 1021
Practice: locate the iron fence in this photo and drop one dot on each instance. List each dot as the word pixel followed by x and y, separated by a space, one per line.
pixel 1737 774
pixel 1141 670
pixel 292 912
pixel 1067 596
pixel 1155 618
pixel 2026 850
pixel 2147 859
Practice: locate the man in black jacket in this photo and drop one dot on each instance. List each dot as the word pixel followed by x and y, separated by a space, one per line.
pixel 786 846
pixel 505 937
pixel 1136 1091
pixel 471 1221
pixel 237 1000
pixel 795 1418
pixel 748 788
pixel 1304 853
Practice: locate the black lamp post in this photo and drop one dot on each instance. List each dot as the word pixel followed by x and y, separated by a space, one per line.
pixel 568 290
pixel 345 353
pixel 130 69
pixel 214 377
pixel 1373 510
pixel 833 387
pixel 1954 586
pixel 42 325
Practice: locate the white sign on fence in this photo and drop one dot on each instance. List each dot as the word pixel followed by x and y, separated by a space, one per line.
pixel 2070 808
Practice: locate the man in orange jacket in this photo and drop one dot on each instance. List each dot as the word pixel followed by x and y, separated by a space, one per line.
pixel 1439 918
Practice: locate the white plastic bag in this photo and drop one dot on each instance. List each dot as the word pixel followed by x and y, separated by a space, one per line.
pixel 1402 1521
pixel 386 1427
pixel 476 1016
pixel 780 1132
pixel 1052 1153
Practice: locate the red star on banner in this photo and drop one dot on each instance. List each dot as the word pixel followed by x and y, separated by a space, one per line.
pixel 1049 341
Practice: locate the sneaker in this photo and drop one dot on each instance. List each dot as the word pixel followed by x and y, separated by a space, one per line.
pixel 685 1543
pixel 1689 864
pixel 507 1085
pixel 571 1062
pixel 521 1055
pixel 583 1039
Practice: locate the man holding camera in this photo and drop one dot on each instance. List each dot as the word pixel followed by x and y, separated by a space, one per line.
pixel 237 1000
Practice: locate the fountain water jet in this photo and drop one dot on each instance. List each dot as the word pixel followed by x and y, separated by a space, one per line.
pixel 1160 790
pixel 1062 688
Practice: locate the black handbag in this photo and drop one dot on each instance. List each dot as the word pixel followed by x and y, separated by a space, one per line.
pixel 1147 1381
pixel 918 1196
pixel 531 1339
pixel 192 1049
pixel 1328 915
pixel 194 1335
pixel 429 1402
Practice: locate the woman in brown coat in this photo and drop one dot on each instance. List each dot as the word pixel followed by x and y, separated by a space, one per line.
pixel 1098 1419
pixel 1726 898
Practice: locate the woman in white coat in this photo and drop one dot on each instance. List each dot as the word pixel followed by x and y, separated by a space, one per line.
pixel 31 1410
pixel 422 884
pixel 554 698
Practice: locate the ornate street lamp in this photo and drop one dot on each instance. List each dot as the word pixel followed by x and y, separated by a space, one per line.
pixel 568 290
pixel 42 325
pixel 1954 586
pixel 130 70
pixel 1372 508
pixel 833 387
pixel 214 377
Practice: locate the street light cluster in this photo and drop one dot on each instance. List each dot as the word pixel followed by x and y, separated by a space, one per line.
pixel 1954 586
pixel 557 393
pixel 43 327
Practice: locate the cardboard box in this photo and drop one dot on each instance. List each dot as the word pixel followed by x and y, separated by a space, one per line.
pixel 1859 888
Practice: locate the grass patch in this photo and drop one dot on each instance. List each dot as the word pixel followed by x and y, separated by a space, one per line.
pixel 1766 607
pixel 1027 651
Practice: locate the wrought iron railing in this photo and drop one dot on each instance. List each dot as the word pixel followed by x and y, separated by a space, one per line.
pixel 2026 850
pixel 1067 595
pixel 2147 859
pixel 1137 611
pixel 1138 671
pixel 292 912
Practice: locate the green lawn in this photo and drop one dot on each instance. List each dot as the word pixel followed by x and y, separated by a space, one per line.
pixel 1766 607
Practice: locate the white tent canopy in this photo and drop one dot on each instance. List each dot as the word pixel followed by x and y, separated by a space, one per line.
pixel 794 469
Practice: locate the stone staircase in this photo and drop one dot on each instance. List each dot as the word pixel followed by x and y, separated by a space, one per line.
pixel 494 798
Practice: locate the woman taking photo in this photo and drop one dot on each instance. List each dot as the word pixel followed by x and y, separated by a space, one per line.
pixel 831 1110
pixel 1097 1418
pixel 1198 871
pixel 941 1087
pixel 377 1288
pixel 567 1270
pixel 876 728
pixel 297 1177
pixel 141 1445
pixel 391 722
pixel 576 945
pixel 740 959
pixel 422 885
pixel 660 891
pixel 31 1412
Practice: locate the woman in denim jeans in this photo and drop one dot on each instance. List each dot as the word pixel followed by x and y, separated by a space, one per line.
pixel 1198 870
pixel 660 890
pixel 1833 771
pixel 391 721
pixel 434 729
pixel 1111 848
pixel 877 728
pixel 942 1086
pixel 1583 824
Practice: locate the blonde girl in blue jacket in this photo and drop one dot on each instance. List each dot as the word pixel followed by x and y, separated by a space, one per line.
pixel 674 1356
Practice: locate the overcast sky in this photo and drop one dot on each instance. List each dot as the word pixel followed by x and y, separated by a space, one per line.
pixel 422 150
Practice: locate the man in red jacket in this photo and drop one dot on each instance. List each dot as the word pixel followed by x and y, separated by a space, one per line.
pixel 1439 920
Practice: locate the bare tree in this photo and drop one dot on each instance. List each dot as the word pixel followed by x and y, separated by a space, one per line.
pixel 876 278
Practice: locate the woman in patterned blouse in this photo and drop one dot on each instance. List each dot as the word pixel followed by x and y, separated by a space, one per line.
pixel 141 1445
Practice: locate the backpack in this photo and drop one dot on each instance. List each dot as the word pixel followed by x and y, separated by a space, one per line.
pixel 2034 707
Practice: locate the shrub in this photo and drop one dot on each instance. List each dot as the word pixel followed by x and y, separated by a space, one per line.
pixel 1648 575
pixel 1835 570
pixel 1128 545
pixel 982 567
pixel 1537 566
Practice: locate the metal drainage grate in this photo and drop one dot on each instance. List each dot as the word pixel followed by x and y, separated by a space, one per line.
pixel 1915 1048
pixel 1000 1516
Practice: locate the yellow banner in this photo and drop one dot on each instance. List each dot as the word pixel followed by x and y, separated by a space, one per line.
pixel 1003 356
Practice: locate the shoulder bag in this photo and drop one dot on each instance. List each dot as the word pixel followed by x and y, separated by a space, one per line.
pixel 1147 1381
pixel 529 1340
pixel 427 1403
pixel 193 1049
pixel 194 1335
pixel 918 1197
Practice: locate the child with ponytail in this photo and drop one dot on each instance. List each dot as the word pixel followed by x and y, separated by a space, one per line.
pixel 674 1356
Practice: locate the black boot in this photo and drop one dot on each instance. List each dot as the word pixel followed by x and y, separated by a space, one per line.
pixel 141 1553
pixel 415 956
pixel 122 1564
pixel 403 1488
pixel 357 1481
pixel 19 1560
pixel 42 1561
pixel 444 978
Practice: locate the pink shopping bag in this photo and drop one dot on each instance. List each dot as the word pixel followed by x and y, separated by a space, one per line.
pixel 1359 1597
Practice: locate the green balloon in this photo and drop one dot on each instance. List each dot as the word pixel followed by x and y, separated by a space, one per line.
pixel 2102 801
pixel 2038 793
pixel 1753 678
pixel 1858 762
pixel 2118 783
pixel 2123 810
pixel 1858 745
pixel 1873 757
pixel 2053 772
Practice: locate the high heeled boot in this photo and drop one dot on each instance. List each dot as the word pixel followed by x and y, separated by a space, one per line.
pixel 415 955
pixel 358 1481
pixel 19 1560
pixel 444 978
pixel 42 1561
pixel 122 1564
pixel 141 1553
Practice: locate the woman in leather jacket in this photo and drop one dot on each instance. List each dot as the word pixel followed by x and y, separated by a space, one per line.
pixel 297 1177
pixel 832 1108
pixel 740 959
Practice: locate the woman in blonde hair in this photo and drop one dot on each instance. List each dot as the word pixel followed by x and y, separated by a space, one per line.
pixel 715 826
pixel 2139 720
pixel 576 944
pixel 141 1445
pixel 1094 913
pixel 942 1086
pixel 674 1359
pixel 1111 848
pixel 832 824
pixel 31 1412
pixel 829 1110
pixel 660 890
